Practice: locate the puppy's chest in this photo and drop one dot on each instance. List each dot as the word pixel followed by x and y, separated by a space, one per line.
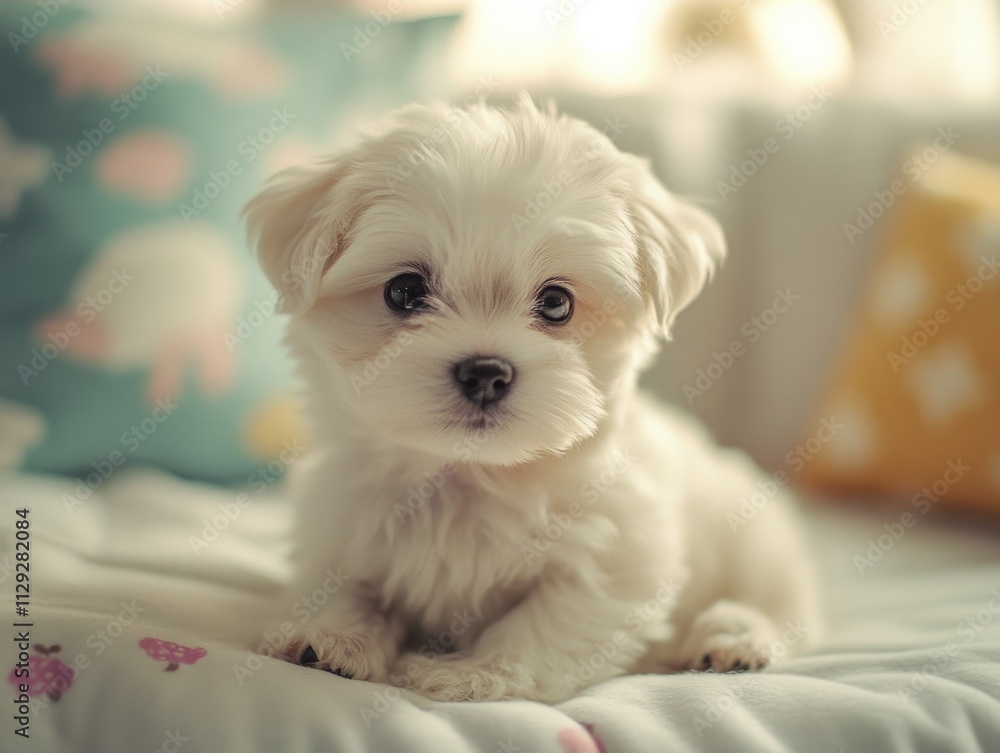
pixel 458 558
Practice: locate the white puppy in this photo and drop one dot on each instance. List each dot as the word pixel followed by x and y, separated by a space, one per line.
pixel 491 506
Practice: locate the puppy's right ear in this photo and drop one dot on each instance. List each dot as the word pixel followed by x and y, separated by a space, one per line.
pixel 299 225
pixel 680 247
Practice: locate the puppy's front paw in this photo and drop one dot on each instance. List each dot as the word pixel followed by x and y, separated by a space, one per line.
pixel 349 654
pixel 456 677
pixel 730 637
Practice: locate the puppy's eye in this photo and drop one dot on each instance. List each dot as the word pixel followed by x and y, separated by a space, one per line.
pixel 406 293
pixel 554 304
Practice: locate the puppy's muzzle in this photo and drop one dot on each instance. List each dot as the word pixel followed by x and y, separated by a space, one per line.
pixel 484 380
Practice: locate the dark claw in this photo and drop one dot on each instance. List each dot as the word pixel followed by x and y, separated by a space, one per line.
pixel 308 657
pixel 706 661
pixel 741 667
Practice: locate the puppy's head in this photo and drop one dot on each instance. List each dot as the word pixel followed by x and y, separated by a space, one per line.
pixel 479 283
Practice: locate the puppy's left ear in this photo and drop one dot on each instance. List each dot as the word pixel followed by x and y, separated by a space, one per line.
pixel 680 247
pixel 299 223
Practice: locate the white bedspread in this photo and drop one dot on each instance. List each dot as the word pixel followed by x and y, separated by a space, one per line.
pixel 912 662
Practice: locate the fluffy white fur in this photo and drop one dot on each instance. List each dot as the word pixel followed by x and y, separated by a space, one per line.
pixel 578 531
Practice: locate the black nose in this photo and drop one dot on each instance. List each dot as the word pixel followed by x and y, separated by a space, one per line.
pixel 484 380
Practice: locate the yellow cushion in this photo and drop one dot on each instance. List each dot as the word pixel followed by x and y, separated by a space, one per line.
pixel 918 388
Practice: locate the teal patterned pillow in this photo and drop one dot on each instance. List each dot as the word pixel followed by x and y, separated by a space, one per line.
pixel 134 324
